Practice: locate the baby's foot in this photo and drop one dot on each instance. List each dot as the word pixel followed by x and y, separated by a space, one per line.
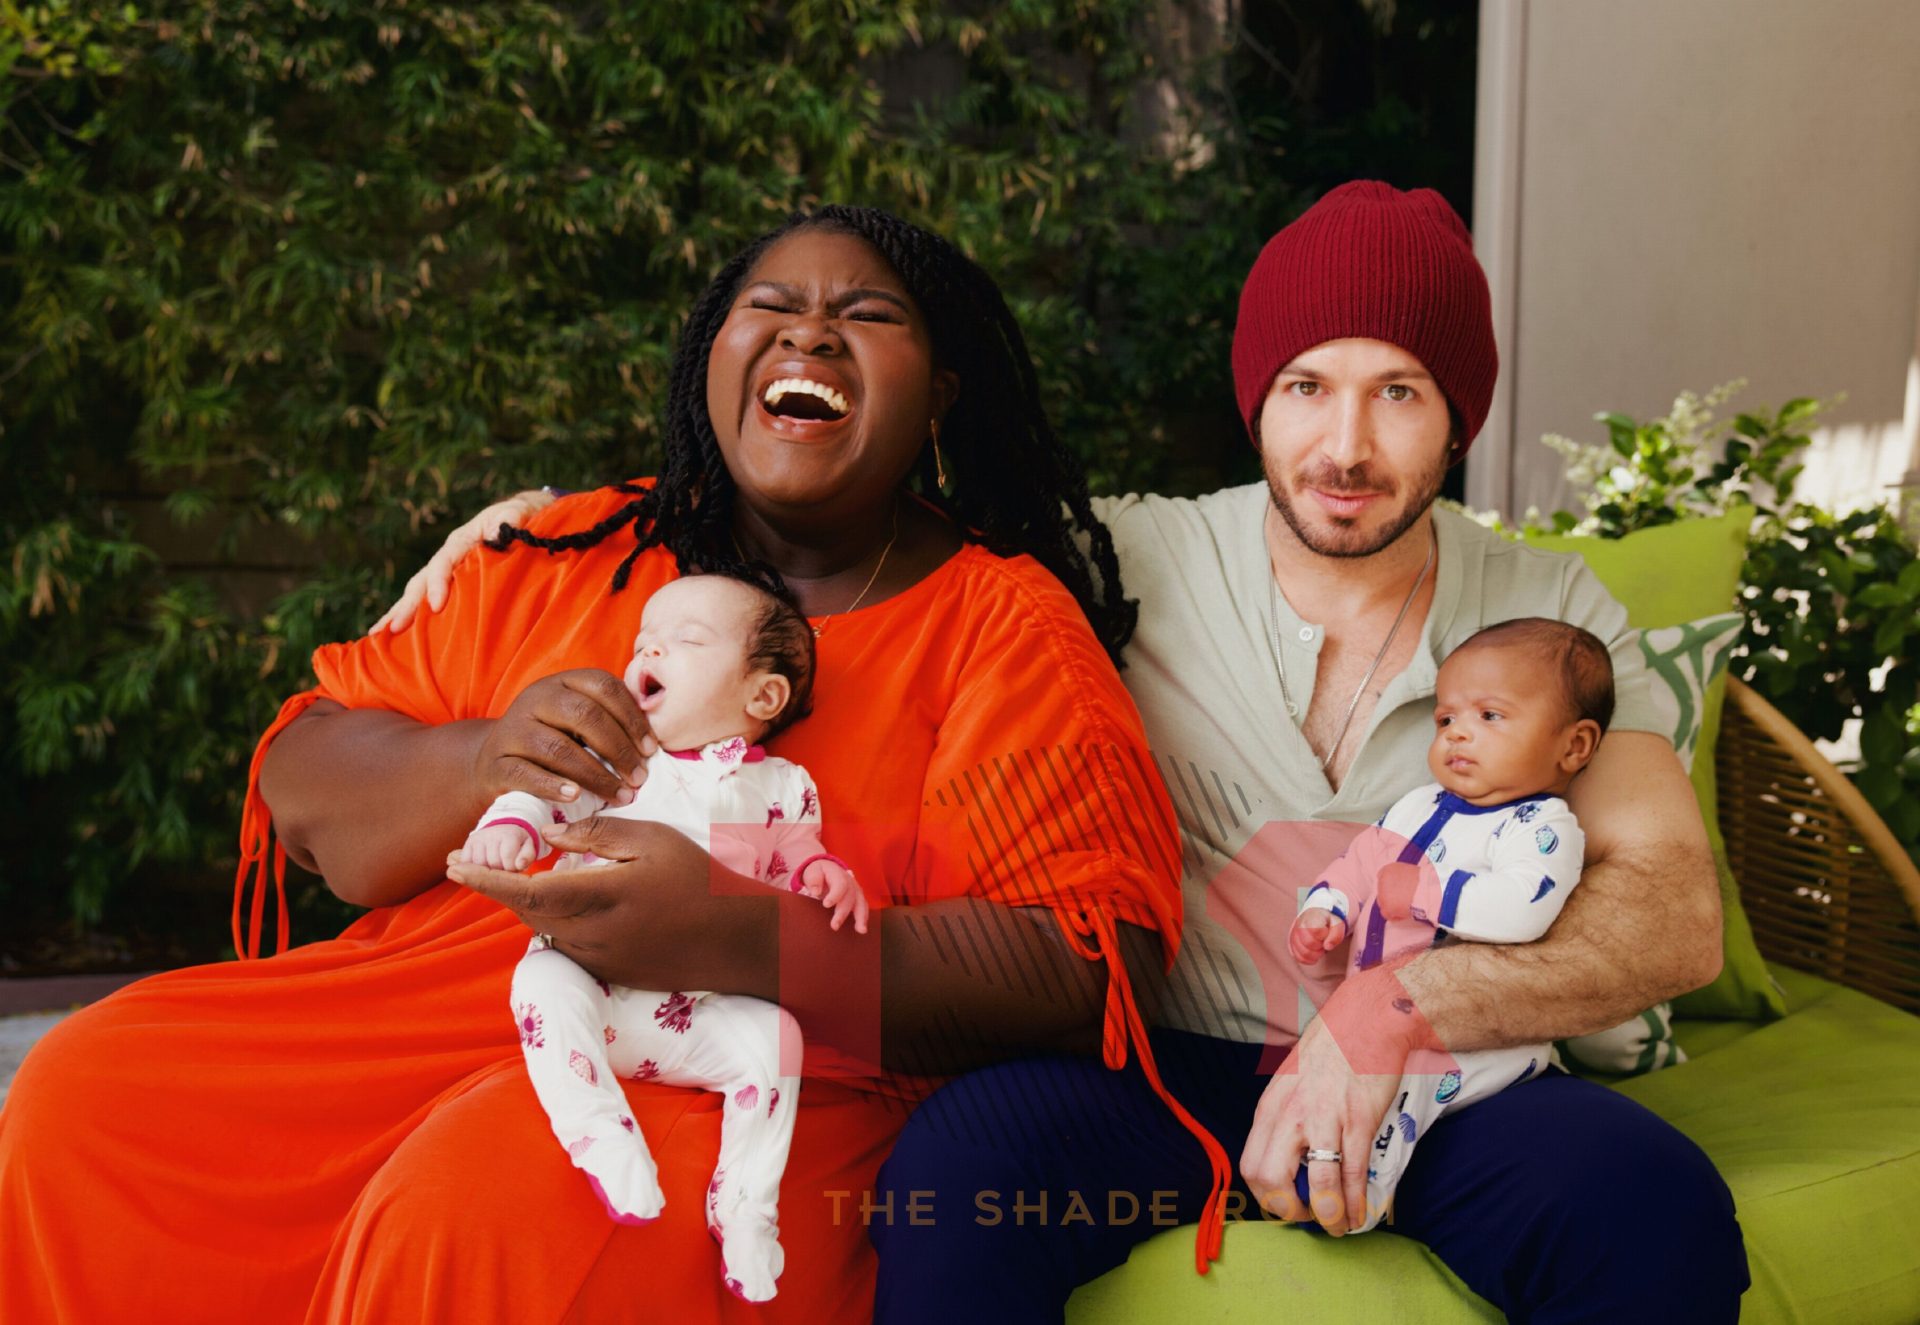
pixel 750 1249
pixel 621 1173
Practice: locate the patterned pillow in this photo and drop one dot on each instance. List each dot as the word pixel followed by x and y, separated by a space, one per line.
pixel 1685 661
pixel 1636 1046
pixel 1688 659
pixel 1689 572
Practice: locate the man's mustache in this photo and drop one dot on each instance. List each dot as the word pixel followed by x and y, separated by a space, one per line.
pixel 1328 478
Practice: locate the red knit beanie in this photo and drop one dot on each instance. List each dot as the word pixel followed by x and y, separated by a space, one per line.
pixel 1370 261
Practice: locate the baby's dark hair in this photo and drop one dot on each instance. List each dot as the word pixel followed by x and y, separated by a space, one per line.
pixel 782 643
pixel 1586 668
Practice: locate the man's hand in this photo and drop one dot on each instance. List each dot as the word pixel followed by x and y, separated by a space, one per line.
pixel 1332 1093
pixel 1314 934
pixel 429 584
pixel 835 888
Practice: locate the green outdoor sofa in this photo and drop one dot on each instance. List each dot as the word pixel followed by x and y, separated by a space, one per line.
pixel 1813 1119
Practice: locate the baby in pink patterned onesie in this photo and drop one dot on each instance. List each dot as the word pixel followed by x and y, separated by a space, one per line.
pixel 718 666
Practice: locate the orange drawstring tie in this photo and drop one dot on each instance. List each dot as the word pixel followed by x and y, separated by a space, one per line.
pixel 1122 1023
pixel 258 847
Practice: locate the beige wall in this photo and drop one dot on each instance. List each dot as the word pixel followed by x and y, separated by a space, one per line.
pixel 1673 193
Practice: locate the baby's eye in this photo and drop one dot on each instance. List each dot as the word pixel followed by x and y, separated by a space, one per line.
pixel 1443 721
pixel 1488 715
pixel 1398 391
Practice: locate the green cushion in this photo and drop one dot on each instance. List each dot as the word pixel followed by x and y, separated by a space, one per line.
pixel 1275 1275
pixel 1667 576
pixel 1813 1120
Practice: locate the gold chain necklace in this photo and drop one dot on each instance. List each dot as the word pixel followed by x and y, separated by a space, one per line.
pixel 1280 650
pixel 878 566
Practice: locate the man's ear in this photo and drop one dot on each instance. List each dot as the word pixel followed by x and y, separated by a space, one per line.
pixel 769 695
pixel 946 390
pixel 1582 741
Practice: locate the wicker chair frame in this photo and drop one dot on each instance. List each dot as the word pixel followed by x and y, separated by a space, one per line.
pixel 1826 885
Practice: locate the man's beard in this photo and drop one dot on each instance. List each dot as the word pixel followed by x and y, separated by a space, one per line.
pixel 1347 541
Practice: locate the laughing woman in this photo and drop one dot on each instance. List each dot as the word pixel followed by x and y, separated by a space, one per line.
pixel 344 1131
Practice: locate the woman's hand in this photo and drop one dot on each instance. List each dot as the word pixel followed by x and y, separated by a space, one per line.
pixel 537 744
pixel 656 917
pixel 430 582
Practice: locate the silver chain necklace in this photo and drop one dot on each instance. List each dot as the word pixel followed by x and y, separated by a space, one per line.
pixel 1280 649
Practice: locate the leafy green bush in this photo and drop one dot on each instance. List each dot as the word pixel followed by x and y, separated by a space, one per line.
pixel 1832 600
pixel 289 281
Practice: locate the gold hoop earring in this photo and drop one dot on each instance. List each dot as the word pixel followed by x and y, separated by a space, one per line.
pixel 939 467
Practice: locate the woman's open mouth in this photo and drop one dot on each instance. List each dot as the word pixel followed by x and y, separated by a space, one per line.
pixel 803 407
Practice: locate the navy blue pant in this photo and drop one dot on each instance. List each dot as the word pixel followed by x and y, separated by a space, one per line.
pixel 1556 1200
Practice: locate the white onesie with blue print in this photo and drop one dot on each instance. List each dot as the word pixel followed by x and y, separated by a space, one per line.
pixel 1490 874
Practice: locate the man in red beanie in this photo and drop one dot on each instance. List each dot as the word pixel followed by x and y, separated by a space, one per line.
pixel 1289 637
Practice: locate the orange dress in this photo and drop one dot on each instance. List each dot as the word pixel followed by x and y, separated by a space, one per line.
pixel 345 1131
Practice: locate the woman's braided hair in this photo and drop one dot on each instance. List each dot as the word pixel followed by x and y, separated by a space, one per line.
pixel 1014 487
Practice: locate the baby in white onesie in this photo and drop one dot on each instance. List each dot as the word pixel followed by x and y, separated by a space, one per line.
pixel 718 666
pixel 1487 853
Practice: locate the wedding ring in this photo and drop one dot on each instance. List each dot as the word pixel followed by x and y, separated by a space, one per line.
pixel 1323 1157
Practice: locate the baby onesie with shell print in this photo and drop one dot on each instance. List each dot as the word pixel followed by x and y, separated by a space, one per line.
pixel 1488 874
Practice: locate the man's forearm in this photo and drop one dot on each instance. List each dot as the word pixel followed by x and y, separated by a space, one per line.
pixel 1633 933
pixel 370 800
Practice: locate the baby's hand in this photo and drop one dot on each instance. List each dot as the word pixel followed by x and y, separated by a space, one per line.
pixel 834 885
pixel 1314 934
pixel 499 846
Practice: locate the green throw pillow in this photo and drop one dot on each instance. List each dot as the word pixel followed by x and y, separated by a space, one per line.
pixel 1671 579
pixel 1686 663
